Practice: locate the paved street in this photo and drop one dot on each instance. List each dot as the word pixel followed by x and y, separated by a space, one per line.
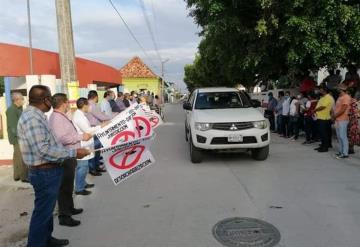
pixel 311 198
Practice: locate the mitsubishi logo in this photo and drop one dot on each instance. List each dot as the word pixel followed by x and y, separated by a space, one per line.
pixel 233 127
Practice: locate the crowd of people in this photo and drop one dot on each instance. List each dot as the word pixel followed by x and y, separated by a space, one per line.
pixel 316 109
pixel 56 153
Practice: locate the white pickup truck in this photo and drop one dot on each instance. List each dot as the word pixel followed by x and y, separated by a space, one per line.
pixel 225 118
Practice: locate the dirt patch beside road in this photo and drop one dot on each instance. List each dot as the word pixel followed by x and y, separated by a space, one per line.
pixel 15 209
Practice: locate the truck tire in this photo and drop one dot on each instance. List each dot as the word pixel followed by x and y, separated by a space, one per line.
pixel 195 153
pixel 260 154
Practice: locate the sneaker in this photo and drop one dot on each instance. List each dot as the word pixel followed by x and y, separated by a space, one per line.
pixel 83 193
pixel 306 142
pixel 323 150
pixel 342 157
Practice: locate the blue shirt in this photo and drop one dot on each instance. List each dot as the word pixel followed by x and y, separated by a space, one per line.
pixel 105 107
pixel 38 144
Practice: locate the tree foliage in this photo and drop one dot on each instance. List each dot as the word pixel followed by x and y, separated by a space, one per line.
pixel 271 39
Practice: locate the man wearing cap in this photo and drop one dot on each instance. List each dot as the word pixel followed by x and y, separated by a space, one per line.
pixel 341 118
pixel 43 155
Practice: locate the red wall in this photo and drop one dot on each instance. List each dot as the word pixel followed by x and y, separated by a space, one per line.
pixel 14 61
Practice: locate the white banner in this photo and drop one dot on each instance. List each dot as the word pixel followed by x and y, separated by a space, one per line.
pixel 126 142
pixel 154 118
pixel 126 126
pixel 125 161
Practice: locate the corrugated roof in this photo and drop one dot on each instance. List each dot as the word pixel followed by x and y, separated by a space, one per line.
pixel 136 68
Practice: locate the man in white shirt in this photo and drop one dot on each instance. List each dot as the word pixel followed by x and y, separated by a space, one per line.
pixel 105 106
pixel 285 115
pixel 82 125
pixel 294 117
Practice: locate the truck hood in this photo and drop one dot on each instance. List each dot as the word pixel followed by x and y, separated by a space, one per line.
pixel 228 115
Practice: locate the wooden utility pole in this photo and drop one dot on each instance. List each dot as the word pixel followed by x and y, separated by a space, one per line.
pixel 66 43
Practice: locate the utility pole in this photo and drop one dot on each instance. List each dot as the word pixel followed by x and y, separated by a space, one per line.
pixel 162 80
pixel 66 43
pixel 30 39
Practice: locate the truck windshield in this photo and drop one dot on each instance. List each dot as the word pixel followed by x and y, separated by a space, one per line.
pixel 221 100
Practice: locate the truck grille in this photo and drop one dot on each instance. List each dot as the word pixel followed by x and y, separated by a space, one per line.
pixel 224 140
pixel 231 126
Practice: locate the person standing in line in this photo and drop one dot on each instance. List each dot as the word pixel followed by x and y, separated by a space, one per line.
pixel 323 114
pixel 309 121
pixel 127 100
pixel 82 125
pixel 96 117
pixel 285 115
pixel 65 132
pixel 270 111
pixel 13 114
pixel 114 106
pixel 278 111
pixel 133 97
pixel 156 101
pixel 120 102
pixel 341 118
pixel 43 155
pixel 105 105
pixel 353 127
pixel 294 117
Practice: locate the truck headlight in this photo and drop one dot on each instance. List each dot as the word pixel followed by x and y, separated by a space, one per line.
pixel 203 126
pixel 260 124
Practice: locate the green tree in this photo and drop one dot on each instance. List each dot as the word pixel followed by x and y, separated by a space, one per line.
pixel 273 38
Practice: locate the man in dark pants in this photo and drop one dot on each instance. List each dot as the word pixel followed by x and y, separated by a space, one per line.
pixel 270 111
pixel 323 113
pixel 96 117
pixel 278 110
pixel 13 114
pixel 285 115
pixel 43 155
pixel 66 134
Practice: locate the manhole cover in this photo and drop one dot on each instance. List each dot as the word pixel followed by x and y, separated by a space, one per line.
pixel 246 232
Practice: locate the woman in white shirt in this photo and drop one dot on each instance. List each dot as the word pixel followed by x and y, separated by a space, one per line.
pixel 82 125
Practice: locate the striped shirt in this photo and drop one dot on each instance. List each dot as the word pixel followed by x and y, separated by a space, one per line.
pixel 37 143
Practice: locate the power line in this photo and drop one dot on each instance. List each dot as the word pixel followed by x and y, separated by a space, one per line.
pixel 148 24
pixel 130 31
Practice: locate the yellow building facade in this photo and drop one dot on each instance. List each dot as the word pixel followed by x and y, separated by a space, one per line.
pixel 137 76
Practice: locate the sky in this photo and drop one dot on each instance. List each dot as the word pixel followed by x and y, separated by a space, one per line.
pixel 100 35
